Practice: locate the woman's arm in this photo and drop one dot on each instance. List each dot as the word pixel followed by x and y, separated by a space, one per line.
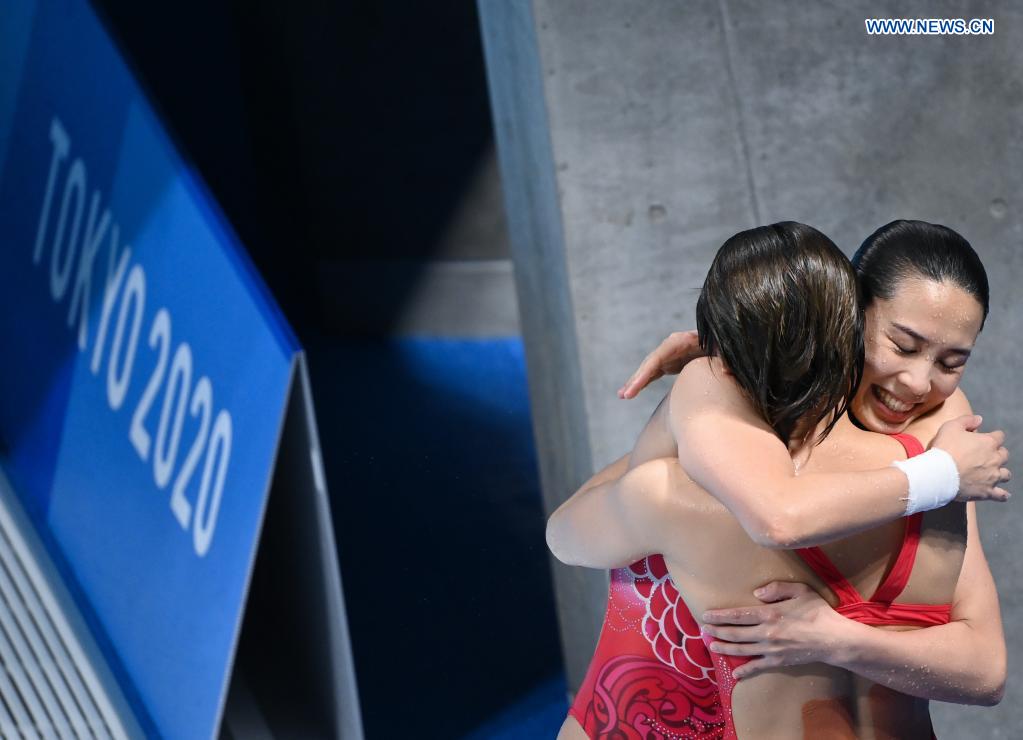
pixel 612 521
pixel 733 454
pixel 963 661
pixel 567 528
pixel 727 449
pixel 670 356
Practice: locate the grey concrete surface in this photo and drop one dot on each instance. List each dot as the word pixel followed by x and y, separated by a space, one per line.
pixel 634 137
pixel 543 286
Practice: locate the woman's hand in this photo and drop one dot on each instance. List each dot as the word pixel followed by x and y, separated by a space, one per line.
pixel 979 456
pixel 796 626
pixel 668 359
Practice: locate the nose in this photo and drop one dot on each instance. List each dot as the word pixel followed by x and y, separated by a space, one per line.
pixel 916 379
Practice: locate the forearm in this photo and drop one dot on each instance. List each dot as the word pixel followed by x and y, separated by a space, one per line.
pixel 953 662
pixel 739 460
pixel 570 534
pixel 595 527
pixel 815 509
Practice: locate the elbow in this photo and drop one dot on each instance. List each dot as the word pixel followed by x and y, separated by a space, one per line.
pixel 779 530
pixel 556 540
pixel 985 687
pixel 992 698
pixel 991 687
pixel 989 695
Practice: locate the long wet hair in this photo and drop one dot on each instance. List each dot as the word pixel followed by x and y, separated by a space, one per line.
pixel 906 249
pixel 780 307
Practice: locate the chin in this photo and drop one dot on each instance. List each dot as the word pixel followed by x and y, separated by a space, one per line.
pixel 872 421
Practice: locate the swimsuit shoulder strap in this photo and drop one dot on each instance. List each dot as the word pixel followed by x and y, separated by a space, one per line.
pixel 897 579
pixel 821 565
pixel 911 444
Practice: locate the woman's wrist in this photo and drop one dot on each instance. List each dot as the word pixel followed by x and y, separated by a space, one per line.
pixel 846 648
pixel 933 480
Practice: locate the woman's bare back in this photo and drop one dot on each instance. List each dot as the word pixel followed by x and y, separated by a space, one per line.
pixel 715 564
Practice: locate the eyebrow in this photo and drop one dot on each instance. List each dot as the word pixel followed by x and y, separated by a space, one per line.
pixel 921 338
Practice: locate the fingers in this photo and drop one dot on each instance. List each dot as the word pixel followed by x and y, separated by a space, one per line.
pixel 780 591
pixel 674 347
pixel 755 666
pixel 623 392
pixel 996 494
pixel 734 616
pixel 998 436
pixel 646 373
pixel 678 340
pixel 1004 475
pixel 734 640
pixel 737 649
pixel 772 592
pixel 969 422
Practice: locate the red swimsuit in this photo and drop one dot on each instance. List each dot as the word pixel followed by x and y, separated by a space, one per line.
pixel 652 676
pixel 879 610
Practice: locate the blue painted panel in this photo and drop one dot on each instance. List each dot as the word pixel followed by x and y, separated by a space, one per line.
pixel 144 372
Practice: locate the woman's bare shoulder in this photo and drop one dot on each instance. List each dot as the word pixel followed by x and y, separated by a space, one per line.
pixel 926 427
pixel 707 380
pixel 706 386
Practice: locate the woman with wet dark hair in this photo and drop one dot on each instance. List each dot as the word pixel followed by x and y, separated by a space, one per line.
pixel 905 249
pixel 724 437
pixel 779 307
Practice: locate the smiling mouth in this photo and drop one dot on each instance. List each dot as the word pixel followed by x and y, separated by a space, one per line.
pixel 890 402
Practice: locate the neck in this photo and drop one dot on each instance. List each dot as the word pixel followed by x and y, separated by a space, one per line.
pixel 855 422
pixel 805 438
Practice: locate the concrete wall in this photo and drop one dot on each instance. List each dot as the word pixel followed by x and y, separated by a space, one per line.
pixel 634 137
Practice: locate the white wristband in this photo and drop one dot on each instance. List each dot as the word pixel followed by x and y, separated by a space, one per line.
pixel 933 480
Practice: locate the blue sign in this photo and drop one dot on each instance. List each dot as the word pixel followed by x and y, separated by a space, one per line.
pixel 144 370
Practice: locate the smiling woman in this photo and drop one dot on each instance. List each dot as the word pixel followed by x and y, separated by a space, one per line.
pixel 928 298
pixel 931 354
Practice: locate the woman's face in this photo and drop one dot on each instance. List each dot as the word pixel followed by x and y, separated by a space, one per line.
pixel 916 346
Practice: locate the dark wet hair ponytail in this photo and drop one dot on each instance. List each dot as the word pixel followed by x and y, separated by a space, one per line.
pixel 780 308
pixel 905 249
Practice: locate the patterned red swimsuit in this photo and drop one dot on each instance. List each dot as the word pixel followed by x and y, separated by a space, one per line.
pixel 651 677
